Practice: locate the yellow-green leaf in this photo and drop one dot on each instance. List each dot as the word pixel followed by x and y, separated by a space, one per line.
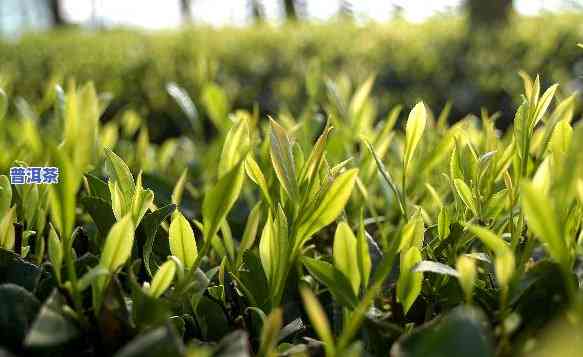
pixel 319 321
pixel 409 283
pixel 466 268
pixel 162 279
pixel 345 254
pixel 542 221
pixel 55 252
pixel 282 160
pixel 219 200
pixel 181 239
pixel 330 206
pixel 5 194
pixel 7 229
pixel 179 188
pixel 413 131
pixel 254 172
pixel 465 193
pixel 118 244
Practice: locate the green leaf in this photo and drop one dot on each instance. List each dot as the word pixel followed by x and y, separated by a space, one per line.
pixel 179 188
pixel 93 275
pixel 270 333
pixel 504 261
pixel 150 224
pixel 5 194
pixel 182 241
pixel 118 245
pixel 428 266
pixel 141 201
pixel 312 165
pixel 363 254
pixel 217 105
pixel 51 327
pixel 543 105
pixel 120 175
pixel 18 308
pixel 274 248
pixel 162 279
pixel 98 188
pixel 490 239
pixel 443 223
pixel 254 172
pixel 236 145
pixel 466 268
pixel 319 320
pixel 330 206
pixel 251 227
pixel 412 233
pixel 542 221
pixel 413 131
pixel 465 194
pixel 282 160
pixel 461 332
pixel 409 283
pixel 161 341
pixel 101 213
pixel 345 255
pixel 333 279
pixel 219 200
pixel 15 270
pixel 55 252
pixel 7 229
pixel 63 194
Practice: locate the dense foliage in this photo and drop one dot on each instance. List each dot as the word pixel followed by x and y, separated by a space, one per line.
pixel 285 68
pixel 299 235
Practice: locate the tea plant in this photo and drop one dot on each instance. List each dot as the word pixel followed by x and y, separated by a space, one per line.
pixel 292 236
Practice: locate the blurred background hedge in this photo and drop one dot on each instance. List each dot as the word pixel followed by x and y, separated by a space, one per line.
pixel 268 66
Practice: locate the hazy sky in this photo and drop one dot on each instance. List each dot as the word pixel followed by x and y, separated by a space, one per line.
pixel 16 15
pixel 165 13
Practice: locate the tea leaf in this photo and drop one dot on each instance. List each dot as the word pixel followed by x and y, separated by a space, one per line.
pixel 363 254
pixel 181 239
pixel 118 245
pixel 541 219
pixel 254 172
pixel 345 255
pixel 270 334
pixel 219 200
pixel 409 283
pixel 55 252
pixel 236 145
pixel 5 194
pixel 414 131
pixel 333 279
pixel 216 104
pixel 318 319
pixel 162 279
pixel 434 267
pixel 120 175
pixel 465 194
pixel 330 206
pixel 179 188
pixel 7 229
pixel 466 268
pixel 283 160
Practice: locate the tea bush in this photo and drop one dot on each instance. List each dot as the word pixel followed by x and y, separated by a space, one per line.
pixel 283 68
pixel 297 235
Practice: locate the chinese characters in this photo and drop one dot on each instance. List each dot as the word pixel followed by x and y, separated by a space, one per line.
pixel 34 175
